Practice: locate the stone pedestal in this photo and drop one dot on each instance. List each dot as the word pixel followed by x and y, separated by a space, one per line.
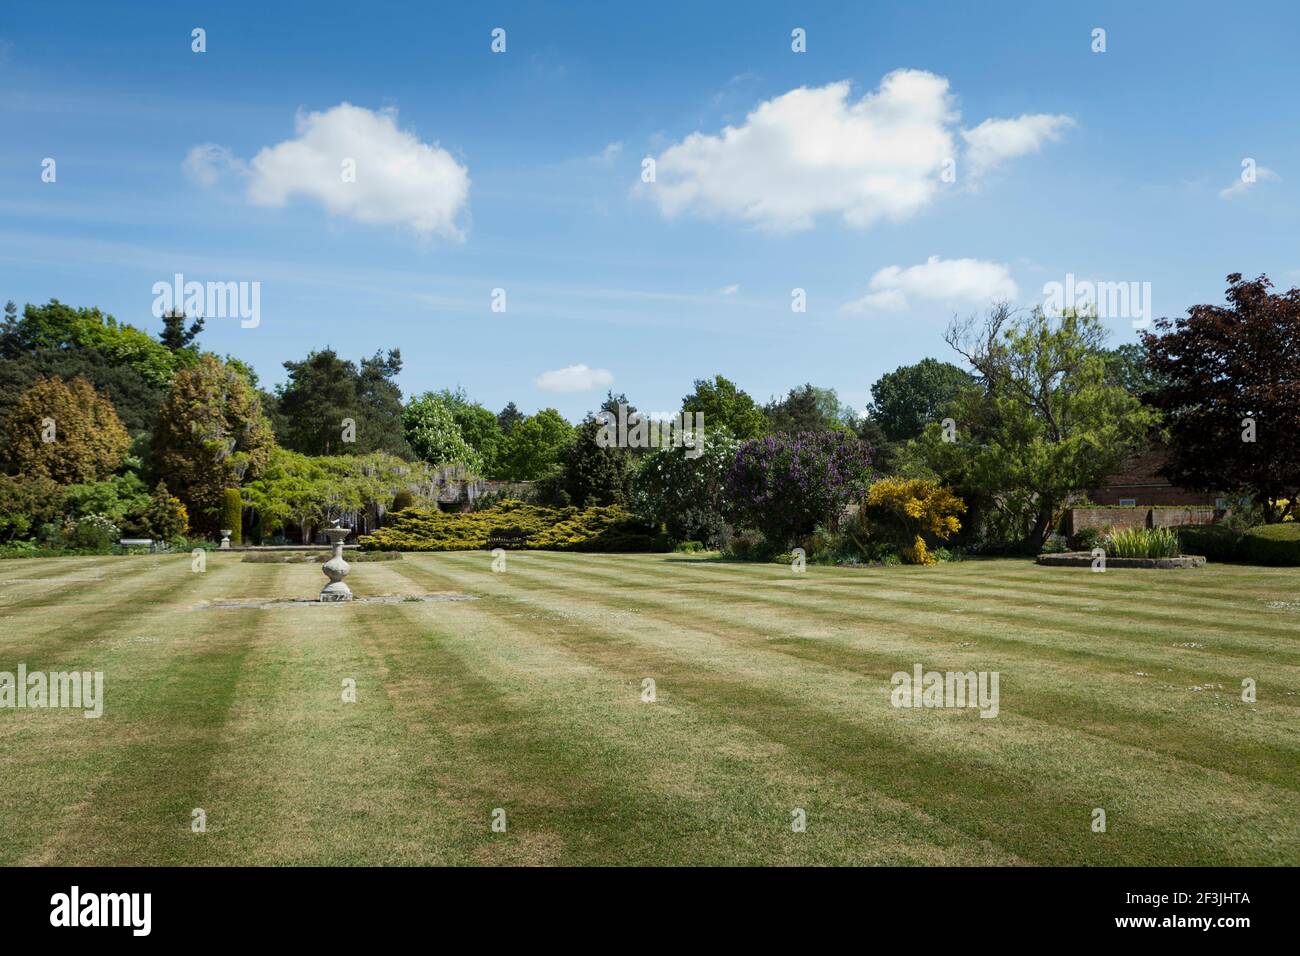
pixel 225 540
pixel 336 569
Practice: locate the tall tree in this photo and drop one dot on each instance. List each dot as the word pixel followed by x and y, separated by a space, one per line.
pixel 135 397
pixel 1127 367
pixel 318 396
pixel 907 399
pixel 533 448
pixel 58 326
pixel 329 406
pixel 805 409
pixel 1230 392
pixel 1046 423
pixel 725 407
pixel 380 398
pixel 613 401
pixel 174 334
pixel 594 475
pixel 509 417
pixel 67 432
pixel 211 435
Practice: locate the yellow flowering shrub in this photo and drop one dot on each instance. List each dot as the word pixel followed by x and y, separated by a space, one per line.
pixel 918 553
pixel 905 510
pixel 605 528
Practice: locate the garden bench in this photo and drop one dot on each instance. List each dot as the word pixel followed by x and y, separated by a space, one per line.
pixel 511 540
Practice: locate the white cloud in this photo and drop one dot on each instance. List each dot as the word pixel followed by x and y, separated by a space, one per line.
pixel 729 289
pixel 1262 175
pixel 994 141
pixel 813 151
pixel 610 152
pixel 574 378
pixel 965 281
pixel 208 162
pixel 398 178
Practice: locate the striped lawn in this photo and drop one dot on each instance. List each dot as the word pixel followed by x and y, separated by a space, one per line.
pixel 1119 691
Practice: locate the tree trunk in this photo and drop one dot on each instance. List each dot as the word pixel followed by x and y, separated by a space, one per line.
pixel 1042 525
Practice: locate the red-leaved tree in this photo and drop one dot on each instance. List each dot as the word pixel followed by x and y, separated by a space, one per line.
pixel 1231 395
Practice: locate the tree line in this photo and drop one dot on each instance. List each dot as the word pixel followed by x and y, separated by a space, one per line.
pixel 1042 411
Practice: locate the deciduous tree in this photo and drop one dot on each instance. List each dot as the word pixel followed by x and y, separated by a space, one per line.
pixel 726 408
pixel 432 432
pixel 1046 422
pixel 211 435
pixel 533 447
pixel 907 399
pixel 64 431
pixel 1231 394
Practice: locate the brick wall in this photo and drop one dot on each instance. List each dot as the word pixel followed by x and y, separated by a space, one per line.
pixel 1079 518
pixel 1173 517
pixel 1159 517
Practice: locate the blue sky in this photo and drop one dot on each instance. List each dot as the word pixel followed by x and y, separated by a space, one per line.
pixel 1114 168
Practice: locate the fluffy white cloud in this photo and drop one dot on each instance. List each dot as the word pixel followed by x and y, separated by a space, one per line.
pixel 814 151
pixel 1262 175
pixel 996 140
pixel 574 378
pixel 729 289
pixel 965 281
pixel 208 162
pixel 398 179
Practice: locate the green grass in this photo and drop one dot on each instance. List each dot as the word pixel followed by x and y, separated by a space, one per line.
pixel 1118 690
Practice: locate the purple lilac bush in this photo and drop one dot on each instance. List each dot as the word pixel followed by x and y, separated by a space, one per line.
pixel 786 485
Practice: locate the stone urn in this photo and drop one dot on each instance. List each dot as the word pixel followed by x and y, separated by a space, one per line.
pixel 225 539
pixel 336 569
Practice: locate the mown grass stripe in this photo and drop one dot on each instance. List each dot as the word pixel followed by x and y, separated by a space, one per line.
pixel 753 689
pixel 1160 727
pixel 851 583
pixel 1042 641
pixel 591 756
pixel 121 779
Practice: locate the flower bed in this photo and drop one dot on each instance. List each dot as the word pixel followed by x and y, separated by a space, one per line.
pixel 1084 559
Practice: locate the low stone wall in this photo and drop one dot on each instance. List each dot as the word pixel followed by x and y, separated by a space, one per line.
pixel 1142 517
pixel 1173 517
pixel 1083 559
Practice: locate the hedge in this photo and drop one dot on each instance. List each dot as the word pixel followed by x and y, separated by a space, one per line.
pixel 1214 542
pixel 309 557
pixel 608 528
pixel 1273 544
pixel 232 515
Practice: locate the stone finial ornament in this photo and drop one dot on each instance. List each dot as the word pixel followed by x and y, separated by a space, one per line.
pixel 336 569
